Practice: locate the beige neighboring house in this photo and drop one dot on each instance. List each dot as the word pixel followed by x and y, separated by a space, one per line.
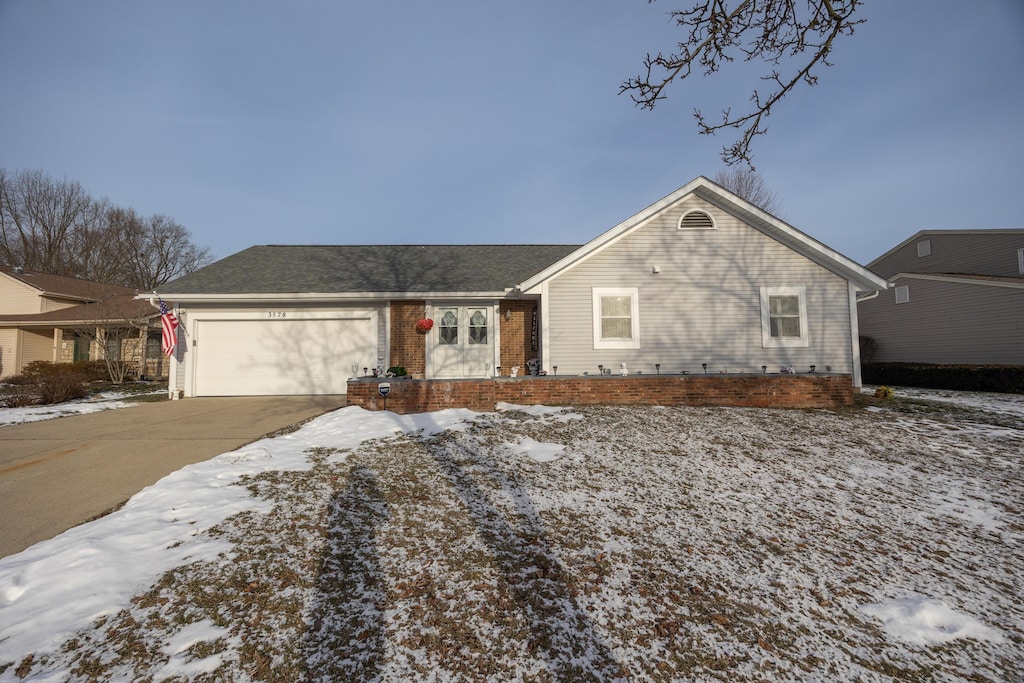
pixel 61 319
pixel 956 297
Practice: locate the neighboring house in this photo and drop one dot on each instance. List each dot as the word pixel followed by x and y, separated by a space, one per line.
pixel 700 277
pixel 61 319
pixel 956 297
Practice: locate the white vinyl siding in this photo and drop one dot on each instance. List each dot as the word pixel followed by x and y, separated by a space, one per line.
pixel 704 304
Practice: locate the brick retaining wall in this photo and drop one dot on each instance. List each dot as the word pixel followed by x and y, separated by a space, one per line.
pixel 774 391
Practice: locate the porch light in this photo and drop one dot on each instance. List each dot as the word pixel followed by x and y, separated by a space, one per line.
pixel 508 314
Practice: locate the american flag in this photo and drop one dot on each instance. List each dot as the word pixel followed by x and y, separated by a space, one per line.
pixel 170 327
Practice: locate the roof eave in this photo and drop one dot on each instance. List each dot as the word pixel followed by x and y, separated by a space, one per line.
pixel 320 297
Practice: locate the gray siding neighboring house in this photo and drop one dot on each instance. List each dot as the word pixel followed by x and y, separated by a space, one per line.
pixel 956 297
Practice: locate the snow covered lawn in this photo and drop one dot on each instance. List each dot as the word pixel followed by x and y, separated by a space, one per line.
pixel 545 544
pixel 107 400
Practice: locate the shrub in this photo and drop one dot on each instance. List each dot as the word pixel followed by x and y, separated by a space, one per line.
pixel 61 388
pixel 53 382
pixel 397 371
pixel 18 395
pixel 1007 379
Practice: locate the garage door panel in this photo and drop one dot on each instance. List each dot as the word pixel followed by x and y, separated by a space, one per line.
pixel 281 357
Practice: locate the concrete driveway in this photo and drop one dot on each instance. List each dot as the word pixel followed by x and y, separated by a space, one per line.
pixel 58 473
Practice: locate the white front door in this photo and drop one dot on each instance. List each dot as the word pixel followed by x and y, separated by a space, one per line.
pixel 462 341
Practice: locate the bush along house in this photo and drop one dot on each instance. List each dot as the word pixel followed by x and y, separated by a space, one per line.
pixel 699 298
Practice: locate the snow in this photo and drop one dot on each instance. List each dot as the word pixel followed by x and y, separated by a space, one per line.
pixel 922 621
pixel 1007 404
pixel 107 400
pixel 539 452
pixel 62 584
pixel 799 545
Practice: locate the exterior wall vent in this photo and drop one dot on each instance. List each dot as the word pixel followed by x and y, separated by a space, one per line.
pixel 696 220
pixel 924 248
pixel 902 294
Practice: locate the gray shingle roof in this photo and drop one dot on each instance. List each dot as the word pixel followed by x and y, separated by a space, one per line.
pixel 272 269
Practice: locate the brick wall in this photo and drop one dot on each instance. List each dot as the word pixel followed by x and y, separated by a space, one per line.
pixel 774 391
pixel 408 347
pixel 516 342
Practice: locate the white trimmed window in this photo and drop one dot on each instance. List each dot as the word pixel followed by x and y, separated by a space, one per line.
pixel 783 317
pixel 903 294
pixel 616 318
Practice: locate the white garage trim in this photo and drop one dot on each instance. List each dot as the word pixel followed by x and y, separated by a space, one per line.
pixel 278 352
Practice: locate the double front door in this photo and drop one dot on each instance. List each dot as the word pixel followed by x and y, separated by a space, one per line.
pixel 463 341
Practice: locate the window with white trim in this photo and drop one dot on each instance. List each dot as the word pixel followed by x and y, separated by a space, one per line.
pixel 616 318
pixel 783 317
pixel 903 294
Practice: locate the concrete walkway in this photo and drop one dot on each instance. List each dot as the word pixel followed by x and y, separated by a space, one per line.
pixel 58 473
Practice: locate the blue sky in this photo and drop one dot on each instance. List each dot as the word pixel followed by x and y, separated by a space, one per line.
pixel 316 122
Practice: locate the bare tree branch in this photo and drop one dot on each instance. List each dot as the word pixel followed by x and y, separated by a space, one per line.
pixel 54 226
pixel 749 184
pixel 771 31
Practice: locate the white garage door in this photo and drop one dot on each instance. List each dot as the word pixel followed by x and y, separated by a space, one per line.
pixel 280 357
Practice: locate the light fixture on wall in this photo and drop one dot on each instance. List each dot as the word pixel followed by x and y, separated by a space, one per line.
pixel 508 314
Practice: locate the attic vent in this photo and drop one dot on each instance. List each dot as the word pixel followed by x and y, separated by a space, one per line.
pixel 696 220
pixel 924 248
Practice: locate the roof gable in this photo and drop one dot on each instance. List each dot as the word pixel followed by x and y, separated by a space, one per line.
pixel 393 269
pixel 731 203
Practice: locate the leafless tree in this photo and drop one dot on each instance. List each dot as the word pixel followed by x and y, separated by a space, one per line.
pixel 119 326
pixel 159 250
pixel 748 183
pixel 54 226
pixel 39 217
pixel 797 32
